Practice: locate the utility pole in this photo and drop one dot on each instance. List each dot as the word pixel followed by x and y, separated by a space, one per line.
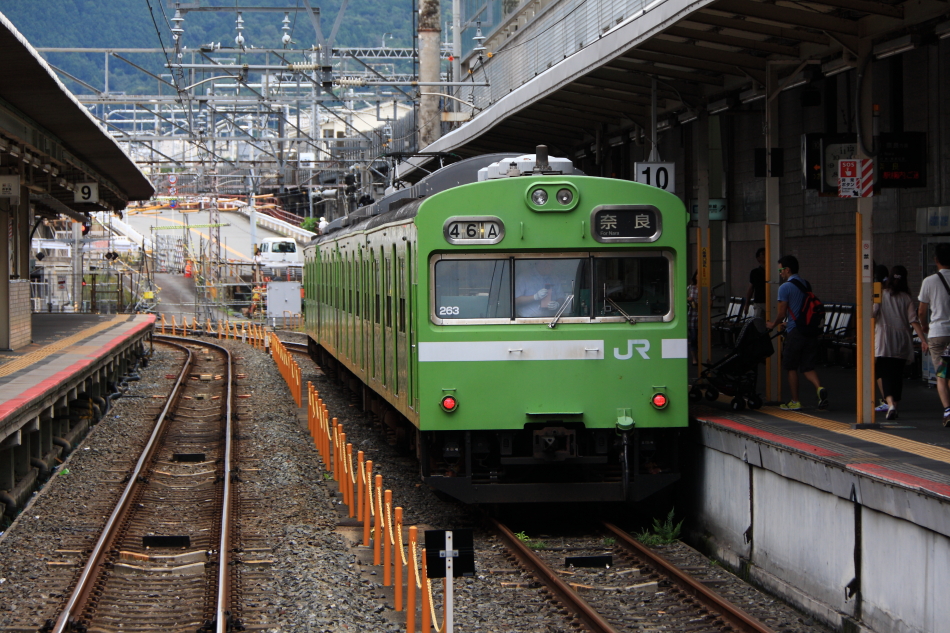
pixel 430 119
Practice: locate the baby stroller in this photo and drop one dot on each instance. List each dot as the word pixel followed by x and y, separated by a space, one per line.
pixel 737 373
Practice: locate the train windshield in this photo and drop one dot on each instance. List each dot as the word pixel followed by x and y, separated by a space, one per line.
pixel 585 286
pixel 473 289
pixel 285 247
pixel 546 287
pixel 635 286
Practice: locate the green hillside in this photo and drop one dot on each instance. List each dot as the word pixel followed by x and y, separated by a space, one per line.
pixel 129 23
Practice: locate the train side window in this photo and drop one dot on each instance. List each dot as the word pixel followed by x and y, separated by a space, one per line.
pixel 401 286
pixel 473 289
pixel 638 286
pixel 389 293
pixel 376 282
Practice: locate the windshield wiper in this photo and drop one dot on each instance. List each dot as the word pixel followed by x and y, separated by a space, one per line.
pixel 630 319
pixel 560 311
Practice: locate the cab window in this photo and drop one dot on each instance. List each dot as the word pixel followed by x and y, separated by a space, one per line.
pixel 637 286
pixel 545 287
pixel 473 289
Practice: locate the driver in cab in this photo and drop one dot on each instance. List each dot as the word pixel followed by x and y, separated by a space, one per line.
pixel 536 288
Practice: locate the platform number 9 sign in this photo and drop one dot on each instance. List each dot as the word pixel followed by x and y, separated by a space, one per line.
pixel 86 192
pixel 660 175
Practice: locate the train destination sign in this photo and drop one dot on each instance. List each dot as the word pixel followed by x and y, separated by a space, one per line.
pixel 474 230
pixel 623 223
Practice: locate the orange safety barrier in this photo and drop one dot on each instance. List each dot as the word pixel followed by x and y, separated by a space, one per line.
pixel 173 326
pixel 163 322
pixel 362 492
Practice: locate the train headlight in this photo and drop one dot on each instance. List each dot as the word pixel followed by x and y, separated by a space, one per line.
pixel 449 404
pixel 565 196
pixel 659 400
pixel 539 197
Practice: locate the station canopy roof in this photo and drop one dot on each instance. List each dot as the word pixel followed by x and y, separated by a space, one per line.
pixel 705 55
pixel 53 140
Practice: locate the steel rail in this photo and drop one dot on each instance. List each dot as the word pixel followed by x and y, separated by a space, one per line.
pixel 83 586
pixel 558 587
pixel 735 616
pixel 224 546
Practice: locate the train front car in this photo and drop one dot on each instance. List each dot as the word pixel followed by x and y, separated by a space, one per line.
pixel 551 331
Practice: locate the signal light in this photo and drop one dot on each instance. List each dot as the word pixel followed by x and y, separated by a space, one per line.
pixel 449 404
pixel 659 400
pixel 84 282
pixel 85 227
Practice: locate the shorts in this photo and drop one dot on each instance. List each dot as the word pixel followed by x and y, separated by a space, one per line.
pixel 938 348
pixel 799 352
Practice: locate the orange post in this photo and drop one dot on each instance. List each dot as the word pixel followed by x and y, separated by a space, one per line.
pixel 368 498
pixel 220 328
pixel 173 325
pixel 350 479
pixel 411 582
pixel 387 540
pixel 360 484
pixel 335 454
pixel 344 473
pixel 163 322
pixel 426 618
pixel 398 559
pixel 378 536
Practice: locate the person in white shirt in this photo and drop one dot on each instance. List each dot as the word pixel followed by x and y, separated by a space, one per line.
pixel 935 296
pixel 537 288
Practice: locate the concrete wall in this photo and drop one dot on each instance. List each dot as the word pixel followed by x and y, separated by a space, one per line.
pixel 21 328
pixel 807 529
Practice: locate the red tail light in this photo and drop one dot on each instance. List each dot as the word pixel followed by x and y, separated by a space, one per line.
pixel 659 400
pixel 449 404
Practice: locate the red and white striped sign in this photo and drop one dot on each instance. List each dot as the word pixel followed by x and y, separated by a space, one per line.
pixel 856 178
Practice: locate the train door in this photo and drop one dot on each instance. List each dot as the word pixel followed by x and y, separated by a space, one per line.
pixel 348 306
pixel 388 321
pixel 377 350
pixel 410 326
pixel 358 308
pixel 402 376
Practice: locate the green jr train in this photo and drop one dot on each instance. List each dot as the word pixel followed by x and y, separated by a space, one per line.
pixel 518 325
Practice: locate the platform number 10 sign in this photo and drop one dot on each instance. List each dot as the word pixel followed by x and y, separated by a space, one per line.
pixel 86 192
pixel 661 175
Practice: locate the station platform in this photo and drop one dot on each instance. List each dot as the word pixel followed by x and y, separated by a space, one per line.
pixel 850 525
pixel 51 390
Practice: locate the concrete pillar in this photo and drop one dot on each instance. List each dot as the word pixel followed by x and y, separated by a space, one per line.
pixel 22 234
pixel 4 277
pixel 701 151
pixel 7 479
pixel 46 436
pixel 430 29
pixel 21 457
pixel 773 247
pixel 865 207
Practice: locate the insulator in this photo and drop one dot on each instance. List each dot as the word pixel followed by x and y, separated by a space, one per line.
pixel 303 67
pixel 348 83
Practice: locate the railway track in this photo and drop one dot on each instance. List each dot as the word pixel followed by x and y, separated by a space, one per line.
pixel 637 587
pixel 157 565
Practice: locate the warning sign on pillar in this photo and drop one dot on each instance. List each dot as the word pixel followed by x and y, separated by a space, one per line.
pixel 856 178
pixel 866 261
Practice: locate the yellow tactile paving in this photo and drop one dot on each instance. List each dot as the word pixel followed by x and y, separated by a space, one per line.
pixel 33 357
pixel 875 437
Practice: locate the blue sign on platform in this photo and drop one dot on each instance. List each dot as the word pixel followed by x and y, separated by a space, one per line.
pixel 173 204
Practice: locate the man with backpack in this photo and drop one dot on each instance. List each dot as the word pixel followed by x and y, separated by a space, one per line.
pixel 935 296
pixel 805 315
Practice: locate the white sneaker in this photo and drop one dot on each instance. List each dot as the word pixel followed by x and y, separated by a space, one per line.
pixel 882 407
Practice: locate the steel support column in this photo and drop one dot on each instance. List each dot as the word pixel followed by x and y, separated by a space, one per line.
pixel 701 149
pixel 773 374
pixel 865 207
